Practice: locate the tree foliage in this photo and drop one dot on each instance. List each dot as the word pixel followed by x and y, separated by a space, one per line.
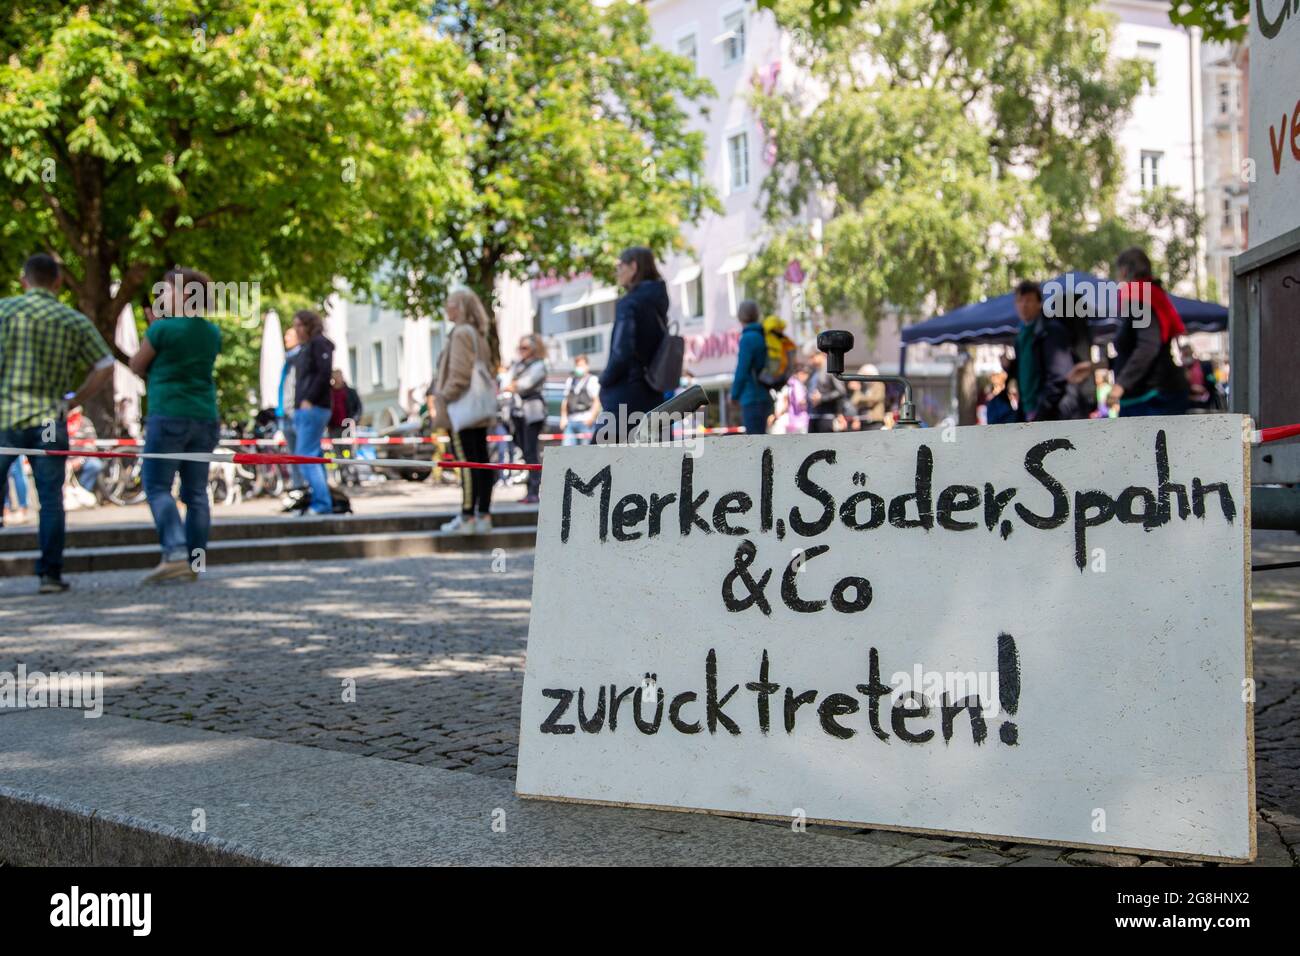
pixel 1218 19
pixel 945 161
pixel 259 140
pixel 577 146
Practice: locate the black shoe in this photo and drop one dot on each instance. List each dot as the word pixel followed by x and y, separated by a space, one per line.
pixel 53 585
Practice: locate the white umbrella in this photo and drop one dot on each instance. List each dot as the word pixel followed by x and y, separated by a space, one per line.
pixel 128 388
pixel 416 371
pixel 336 327
pixel 272 361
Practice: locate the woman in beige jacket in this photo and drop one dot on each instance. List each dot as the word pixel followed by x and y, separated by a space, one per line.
pixel 466 344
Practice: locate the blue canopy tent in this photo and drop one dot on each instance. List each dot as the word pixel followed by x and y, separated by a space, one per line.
pixel 994 321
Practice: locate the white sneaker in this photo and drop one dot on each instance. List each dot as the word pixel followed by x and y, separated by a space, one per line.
pixel 482 524
pixel 460 525
pixel 170 571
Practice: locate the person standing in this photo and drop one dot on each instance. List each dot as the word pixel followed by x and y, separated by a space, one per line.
pixel 868 401
pixel 467 346
pixel 1147 382
pixel 45 346
pixel 284 402
pixel 826 397
pixel 345 412
pixel 796 402
pixel 1044 367
pixel 640 324
pixel 527 376
pixel 311 403
pixel 752 395
pixel 581 404
pixel 176 357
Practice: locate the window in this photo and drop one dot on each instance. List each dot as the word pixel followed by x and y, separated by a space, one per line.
pixel 377 364
pixel 693 297
pixel 352 365
pixel 686 47
pixel 1150 51
pixel 1227 214
pixel 738 161
pixel 1225 98
pixel 1151 169
pixel 735 292
pixel 733 38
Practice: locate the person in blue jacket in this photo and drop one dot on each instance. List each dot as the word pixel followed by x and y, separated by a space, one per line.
pixel 640 323
pixel 754 398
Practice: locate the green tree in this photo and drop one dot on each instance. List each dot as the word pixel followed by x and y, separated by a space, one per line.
pixel 578 146
pixel 945 161
pixel 258 140
pixel 1217 19
pixel 964 156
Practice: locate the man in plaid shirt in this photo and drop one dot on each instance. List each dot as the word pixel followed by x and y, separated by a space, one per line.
pixel 45 348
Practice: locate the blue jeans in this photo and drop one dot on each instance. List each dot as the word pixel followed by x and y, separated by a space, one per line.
pixel 309 423
pixel 19 483
pixel 89 473
pixel 290 443
pixel 754 417
pixel 573 428
pixel 166 434
pixel 48 474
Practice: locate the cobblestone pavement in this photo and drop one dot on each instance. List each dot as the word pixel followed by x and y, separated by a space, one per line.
pixel 434 650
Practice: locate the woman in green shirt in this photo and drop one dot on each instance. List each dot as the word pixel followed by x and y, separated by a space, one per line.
pixel 179 350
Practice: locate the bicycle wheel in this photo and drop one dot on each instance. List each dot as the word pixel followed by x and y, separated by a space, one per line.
pixel 121 482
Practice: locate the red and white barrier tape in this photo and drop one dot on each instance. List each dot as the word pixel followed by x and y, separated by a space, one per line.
pixel 80 449
pixel 1265 435
pixel 260 458
pixel 329 442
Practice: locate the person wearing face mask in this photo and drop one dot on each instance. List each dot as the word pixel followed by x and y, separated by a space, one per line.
pixel 581 405
pixel 528 407
pixel 177 355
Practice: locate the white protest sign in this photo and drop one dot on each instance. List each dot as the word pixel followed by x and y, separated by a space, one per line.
pixel 1033 632
pixel 1274 140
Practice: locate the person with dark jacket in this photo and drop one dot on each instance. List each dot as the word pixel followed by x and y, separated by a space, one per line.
pixel 1147 381
pixel 528 408
pixel 753 396
pixel 640 324
pixel 313 406
pixel 826 397
pixel 345 414
pixel 1044 367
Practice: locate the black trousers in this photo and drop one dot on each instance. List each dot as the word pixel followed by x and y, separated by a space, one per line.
pixel 527 437
pixel 471 444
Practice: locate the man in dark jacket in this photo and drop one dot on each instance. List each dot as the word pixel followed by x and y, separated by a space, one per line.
pixel 1044 367
pixel 640 323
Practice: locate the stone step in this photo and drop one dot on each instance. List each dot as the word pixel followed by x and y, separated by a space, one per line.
pixel 24 538
pixel 113 791
pixel 318 547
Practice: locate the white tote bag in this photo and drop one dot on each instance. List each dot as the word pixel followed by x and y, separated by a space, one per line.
pixel 480 400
